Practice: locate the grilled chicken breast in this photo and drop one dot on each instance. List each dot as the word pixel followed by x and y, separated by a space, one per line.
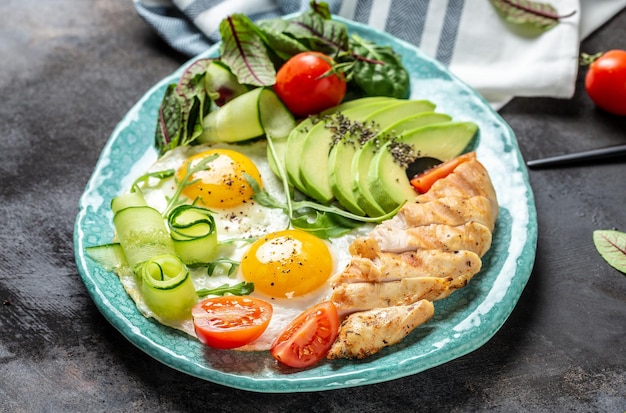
pixel 432 247
pixel 367 332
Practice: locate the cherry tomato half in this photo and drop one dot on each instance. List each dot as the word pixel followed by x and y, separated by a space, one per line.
pixel 230 321
pixel 306 84
pixel 605 82
pixel 307 339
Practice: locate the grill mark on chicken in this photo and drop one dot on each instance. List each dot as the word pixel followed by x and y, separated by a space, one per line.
pixel 428 250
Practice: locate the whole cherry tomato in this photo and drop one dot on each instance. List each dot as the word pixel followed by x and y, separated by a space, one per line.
pixel 307 84
pixel 605 81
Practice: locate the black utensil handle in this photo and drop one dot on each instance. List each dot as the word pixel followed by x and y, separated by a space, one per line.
pixel 579 157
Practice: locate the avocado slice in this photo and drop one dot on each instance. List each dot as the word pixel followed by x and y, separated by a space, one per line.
pixel 364 155
pixel 298 135
pixel 388 182
pixel 315 149
pixel 341 155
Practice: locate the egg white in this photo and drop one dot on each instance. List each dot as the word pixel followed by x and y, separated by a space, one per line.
pixel 248 221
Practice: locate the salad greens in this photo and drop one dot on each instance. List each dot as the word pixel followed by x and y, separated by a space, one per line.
pixel 184 106
pixel 253 52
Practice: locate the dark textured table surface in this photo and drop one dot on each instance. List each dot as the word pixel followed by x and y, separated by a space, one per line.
pixel 71 69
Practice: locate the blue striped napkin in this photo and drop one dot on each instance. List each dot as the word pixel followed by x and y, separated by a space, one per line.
pixel 468 36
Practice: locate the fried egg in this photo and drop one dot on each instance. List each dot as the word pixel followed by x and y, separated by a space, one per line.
pixel 289 268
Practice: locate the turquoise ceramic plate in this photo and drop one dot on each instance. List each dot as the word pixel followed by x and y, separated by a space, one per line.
pixel 462 322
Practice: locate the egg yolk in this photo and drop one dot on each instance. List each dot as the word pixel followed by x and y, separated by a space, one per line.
pixel 222 184
pixel 287 264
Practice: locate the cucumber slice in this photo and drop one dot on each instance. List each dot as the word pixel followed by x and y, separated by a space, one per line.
pixel 109 256
pixel 140 229
pixel 251 115
pixel 237 120
pixel 167 287
pixel 388 182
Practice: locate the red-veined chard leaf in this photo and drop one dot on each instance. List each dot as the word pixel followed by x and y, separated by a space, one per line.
pixel 244 52
pixel 168 128
pixel 612 247
pixel 182 109
pixel 541 15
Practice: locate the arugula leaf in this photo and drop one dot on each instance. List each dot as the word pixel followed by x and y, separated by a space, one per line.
pixel 612 247
pixel 158 175
pixel 243 288
pixel 175 200
pixel 232 266
pixel 243 51
pixel 325 221
pixel 324 225
pixel 540 15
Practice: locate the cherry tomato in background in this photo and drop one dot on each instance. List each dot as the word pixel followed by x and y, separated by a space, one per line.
pixel 307 339
pixel 605 81
pixel 230 321
pixel 306 85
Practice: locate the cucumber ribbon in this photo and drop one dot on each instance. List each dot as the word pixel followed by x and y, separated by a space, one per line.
pixel 167 288
pixel 193 233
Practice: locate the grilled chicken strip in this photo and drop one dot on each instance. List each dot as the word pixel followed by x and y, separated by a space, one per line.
pixel 471 236
pixel 469 179
pixel 452 210
pixel 388 266
pixel 365 333
pixel 428 250
pixel 354 297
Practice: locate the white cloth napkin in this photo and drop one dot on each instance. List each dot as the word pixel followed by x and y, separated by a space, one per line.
pixel 469 36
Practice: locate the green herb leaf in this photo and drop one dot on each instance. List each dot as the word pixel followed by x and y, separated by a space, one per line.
pixel 318 32
pixel 612 247
pixel 243 288
pixel 244 52
pixel 158 175
pixel 324 225
pixel 175 200
pixel 232 266
pixel 277 42
pixel 537 14
pixel 378 70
